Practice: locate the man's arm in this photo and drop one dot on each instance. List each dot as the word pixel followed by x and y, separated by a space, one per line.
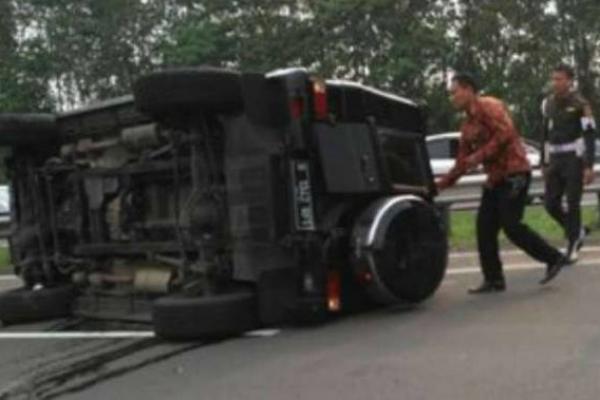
pixel 544 136
pixel 588 124
pixel 459 169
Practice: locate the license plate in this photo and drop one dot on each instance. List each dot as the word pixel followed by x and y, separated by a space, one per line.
pixel 303 199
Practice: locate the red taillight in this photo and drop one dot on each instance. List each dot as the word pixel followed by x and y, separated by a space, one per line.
pixel 297 107
pixel 365 277
pixel 334 291
pixel 320 100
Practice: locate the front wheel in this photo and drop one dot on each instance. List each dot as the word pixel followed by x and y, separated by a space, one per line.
pixel 28 129
pixel 28 305
pixel 188 90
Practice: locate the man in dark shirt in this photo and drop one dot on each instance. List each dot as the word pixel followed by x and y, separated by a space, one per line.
pixel 489 137
pixel 568 154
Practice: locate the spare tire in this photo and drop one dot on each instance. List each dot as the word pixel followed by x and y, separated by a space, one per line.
pixel 179 317
pixel 188 90
pixel 401 250
pixel 27 129
pixel 26 305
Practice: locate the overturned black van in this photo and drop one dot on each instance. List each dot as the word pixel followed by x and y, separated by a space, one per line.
pixel 211 202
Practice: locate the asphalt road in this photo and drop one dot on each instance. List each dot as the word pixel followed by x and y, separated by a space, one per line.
pixel 531 342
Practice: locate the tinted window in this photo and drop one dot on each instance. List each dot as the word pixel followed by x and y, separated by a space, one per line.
pixel 403 158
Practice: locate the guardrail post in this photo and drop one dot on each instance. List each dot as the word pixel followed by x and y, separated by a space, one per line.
pixel 444 210
pixel 598 209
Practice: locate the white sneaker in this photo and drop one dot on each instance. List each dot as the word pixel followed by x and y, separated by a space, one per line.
pixel 573 250
pixel 573 254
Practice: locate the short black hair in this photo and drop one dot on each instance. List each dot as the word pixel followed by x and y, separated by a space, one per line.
pixel 466 80
pixel 565 69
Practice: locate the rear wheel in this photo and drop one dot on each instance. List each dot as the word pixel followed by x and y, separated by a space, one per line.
pixel 179 317
pixel 400 250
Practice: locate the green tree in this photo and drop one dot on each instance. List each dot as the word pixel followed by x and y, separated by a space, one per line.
pixel 22 78
pixel 94 49
pixel 577 35
pixel 60 53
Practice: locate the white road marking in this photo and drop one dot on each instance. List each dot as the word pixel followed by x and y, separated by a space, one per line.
pixel 9 278
pixel 449 282
pixel 263 333
pixel 518 267
pixel 466 254
pixel 77 335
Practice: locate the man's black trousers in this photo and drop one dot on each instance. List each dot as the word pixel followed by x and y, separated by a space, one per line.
pixel 502 208
pixel 564 176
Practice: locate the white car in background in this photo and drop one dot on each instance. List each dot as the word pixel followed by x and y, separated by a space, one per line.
pixel 4 212
pixel 4 201
pixel 443 148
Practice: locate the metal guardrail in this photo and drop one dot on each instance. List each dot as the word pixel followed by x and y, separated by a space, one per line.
pixel 464 195
pixel 4 226
pixel 468 188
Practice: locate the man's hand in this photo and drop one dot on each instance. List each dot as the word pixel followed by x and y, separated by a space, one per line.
pixel 440 184
pixel 470 163
pixel 588 175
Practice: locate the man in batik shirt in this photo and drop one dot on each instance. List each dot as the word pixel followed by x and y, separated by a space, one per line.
pixel 489 137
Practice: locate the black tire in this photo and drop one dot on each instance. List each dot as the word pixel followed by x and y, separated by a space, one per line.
pixel 25 305
pixel 419 241
pixel 184 318
pixel 27 129
pixel 407 259
pixel 188 90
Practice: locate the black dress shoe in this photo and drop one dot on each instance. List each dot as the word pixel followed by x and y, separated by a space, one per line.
pixel 489 287
pixel 553 269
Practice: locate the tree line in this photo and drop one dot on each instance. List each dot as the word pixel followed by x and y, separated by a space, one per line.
pixel 57 54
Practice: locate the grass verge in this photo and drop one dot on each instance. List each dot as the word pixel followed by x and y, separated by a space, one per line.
pixel 462 227
pixel 5 267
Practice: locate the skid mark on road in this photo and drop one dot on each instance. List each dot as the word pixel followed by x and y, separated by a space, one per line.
pixel 65 375
pixel 95 357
